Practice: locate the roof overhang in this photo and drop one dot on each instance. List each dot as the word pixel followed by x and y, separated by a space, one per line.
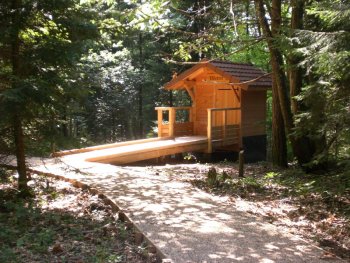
pixel 184 80
pixel 189 75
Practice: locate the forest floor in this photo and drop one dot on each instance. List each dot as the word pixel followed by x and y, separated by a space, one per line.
pixel 66 224
pixel 314 207
pixel 61 224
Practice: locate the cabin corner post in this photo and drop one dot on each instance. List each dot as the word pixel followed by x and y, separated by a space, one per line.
pixel 240 133
pixel 160 121
pixel 209 131
pixel 172 117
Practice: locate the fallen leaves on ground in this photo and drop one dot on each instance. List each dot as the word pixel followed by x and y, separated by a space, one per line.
pixel 62 224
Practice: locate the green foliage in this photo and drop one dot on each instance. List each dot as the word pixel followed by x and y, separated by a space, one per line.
pixel 92 71
pixel 190 157
pixel 212 177
pixel 215 179
pixel 52 37
pixel 326 55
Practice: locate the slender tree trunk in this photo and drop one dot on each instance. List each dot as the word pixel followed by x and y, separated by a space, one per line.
pixel 247 28
pixel 301 148
pixel 17 121
pixel 65 128
pixel 247 17
pixel 171 98
pixel 279 141
pixel 140 99
pixel 20 153
pixel 295 72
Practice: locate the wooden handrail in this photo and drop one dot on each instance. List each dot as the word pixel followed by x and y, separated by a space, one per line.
pixel 223 109
pixel 176 108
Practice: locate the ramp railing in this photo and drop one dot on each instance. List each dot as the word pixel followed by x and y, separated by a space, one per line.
pixel 179 121
pixel 224 127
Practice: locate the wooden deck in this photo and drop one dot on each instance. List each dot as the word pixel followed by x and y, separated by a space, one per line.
pixel 138 150
pixel 223 131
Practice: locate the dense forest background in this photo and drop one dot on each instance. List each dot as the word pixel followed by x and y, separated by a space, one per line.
pixel 77 73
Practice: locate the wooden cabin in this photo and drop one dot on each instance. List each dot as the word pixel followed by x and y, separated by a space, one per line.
pixel 228 107
pixel 228 112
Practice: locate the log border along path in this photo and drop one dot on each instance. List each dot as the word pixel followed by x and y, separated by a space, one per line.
pixel 179 222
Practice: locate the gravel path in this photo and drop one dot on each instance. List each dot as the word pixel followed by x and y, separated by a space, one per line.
pixel 184 223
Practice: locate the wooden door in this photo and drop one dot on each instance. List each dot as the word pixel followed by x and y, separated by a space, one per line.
pixel 204 101
pixel 225 98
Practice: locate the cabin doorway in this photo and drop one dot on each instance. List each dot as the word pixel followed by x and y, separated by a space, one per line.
pixel 225 98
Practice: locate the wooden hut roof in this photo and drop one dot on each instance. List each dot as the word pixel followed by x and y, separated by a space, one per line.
pixel 234 72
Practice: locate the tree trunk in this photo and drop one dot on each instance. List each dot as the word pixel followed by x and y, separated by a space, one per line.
pixel 171 98
pixel 20 154
pixel 140 97
pixel 279 141
pixel 295 72
pixel 17 121
pixel 301 148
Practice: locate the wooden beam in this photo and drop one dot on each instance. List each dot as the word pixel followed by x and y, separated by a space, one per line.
pixel 190 90
pixel 191 93
pixel 189 83
pixel 195 73
pixel 160 122
pixel 209 131
pixel 236 93
pixel 176 108
pixel 220 109
pixel 172 117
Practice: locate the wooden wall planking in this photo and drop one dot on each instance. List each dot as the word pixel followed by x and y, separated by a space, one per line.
pixel 211 90
pixel 213 95
pixel 204 100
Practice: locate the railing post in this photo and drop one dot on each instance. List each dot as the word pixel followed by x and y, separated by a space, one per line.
pixel 209 131
pixel 160 122
pixel 224 120
pixel 171 121
pixel 240 139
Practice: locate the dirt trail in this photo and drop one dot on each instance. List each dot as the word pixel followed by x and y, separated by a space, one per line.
pixel 185 223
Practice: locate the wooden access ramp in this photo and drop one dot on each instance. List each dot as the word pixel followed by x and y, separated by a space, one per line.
pixel 138 150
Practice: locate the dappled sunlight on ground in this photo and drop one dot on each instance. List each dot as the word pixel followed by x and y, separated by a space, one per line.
pixel 186 223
